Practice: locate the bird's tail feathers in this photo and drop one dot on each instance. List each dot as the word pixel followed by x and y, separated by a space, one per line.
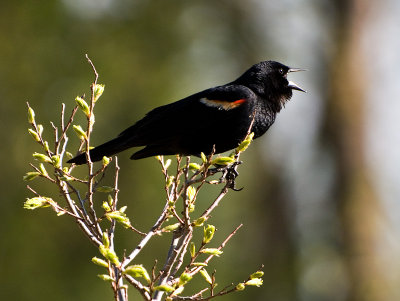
pixel 107 149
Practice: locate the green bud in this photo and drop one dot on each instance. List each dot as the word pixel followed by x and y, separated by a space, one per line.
pixel 34 135
pixel 194 166
pixel 43 170
pixel 56 161
pixel 29 176
pixel 165 288
pixel 60 213
pixel 107 252
pixel 240 286
pixel 192 249
pixel 170 180
pixel 46 146
pixel 31 115
pixel 116 215
pixel 37 202
pixel 245 143
pixel 103 250
pixel 42 158
pixel 208 233
pixel 214 182
pixel 111 256
pixel 40 129
pixel 206 276
pixel 191 207
pixel 257 274
pixel 123 209
pixel 254 282
pixel 105 189
pixel 82 105
pixel 137 271
pixel 110 200
pixel 106 240
pixel 191 193
pixel 211 251
pixel 223 161
pixel 80 132
pixel 199 264
pixel 172 227
pixel 203 157
pixel 200 221
pixel 167 163
pixel 100 262
pixel 120 217
pixel 69 155
pixel 97 91
pixel 184 278
pixel 106 161
pixel 126 223
pixel 106 206
pixel 105 277
pixel 178 291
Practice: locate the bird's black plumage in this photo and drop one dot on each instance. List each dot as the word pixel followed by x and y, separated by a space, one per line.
pixel 219 116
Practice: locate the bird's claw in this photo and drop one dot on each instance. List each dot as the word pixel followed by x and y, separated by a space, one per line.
pixel 229 175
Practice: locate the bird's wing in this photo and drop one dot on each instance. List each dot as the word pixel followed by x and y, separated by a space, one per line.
pixel 205 110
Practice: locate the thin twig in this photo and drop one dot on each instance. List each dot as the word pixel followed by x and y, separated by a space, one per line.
pixel 146 239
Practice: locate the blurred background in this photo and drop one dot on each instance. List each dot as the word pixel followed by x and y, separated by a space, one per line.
pixel 320 205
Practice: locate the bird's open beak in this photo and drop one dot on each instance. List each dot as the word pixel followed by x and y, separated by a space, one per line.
pixel 292 85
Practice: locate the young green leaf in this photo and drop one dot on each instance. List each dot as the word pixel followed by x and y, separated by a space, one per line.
pixel 206 276
pixel 165 288
pixel 254 282
pixel 223 161
pixel 184 278
pixel 208 233
pixel 98 90
pixel 100 262
pixel 105 277
pixel 211 251
pixel 42 158
pixel 37 202
pixel 82 105
pixel 31 115
pixel 80 132
pixel 137 271
pixel 29 176
pixel 34 135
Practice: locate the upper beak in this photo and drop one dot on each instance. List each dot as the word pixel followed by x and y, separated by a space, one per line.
pixel 292 85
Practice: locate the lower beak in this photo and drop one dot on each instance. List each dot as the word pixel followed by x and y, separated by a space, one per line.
pixel 292 85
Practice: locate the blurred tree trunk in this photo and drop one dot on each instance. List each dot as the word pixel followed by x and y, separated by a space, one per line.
pixel 357 203
pixel 281 274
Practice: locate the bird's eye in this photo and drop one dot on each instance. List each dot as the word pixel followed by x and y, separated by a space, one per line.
pixel 281 71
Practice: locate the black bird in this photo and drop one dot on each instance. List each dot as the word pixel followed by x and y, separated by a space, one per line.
pixel 219 116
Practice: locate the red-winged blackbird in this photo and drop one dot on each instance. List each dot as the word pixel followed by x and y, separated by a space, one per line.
pixel 219 116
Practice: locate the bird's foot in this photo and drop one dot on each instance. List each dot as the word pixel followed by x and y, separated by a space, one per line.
pixel 229 175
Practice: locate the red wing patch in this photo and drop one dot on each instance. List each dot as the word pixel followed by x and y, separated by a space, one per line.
pixel 222 104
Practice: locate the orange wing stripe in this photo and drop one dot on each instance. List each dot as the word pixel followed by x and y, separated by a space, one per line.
pixel 223 105
pixel 239 101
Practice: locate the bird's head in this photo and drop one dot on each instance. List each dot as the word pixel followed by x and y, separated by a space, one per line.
pixel 269 80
